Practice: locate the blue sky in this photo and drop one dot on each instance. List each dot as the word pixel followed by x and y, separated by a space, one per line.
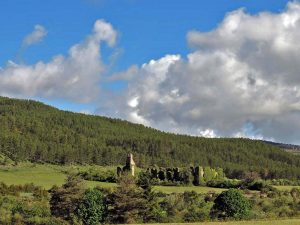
pixel 160 31
pixel 148 29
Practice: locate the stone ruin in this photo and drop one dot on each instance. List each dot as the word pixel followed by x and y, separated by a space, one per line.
pixel 196 175
pixel 129 166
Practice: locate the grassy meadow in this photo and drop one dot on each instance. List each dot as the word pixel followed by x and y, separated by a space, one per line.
pixel 48 175
pixel 43 175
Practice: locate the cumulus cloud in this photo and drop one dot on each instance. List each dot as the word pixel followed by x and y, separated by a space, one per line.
pixel 35 36
pixel 242 79
pixel 75 76
pixel 129 74
pixel 86 111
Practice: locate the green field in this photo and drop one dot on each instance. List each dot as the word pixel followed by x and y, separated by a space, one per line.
pixel 181 189
pixel 41 175
pixel 263 222
pixel 49 175
pixel 286 188
pixel 46 175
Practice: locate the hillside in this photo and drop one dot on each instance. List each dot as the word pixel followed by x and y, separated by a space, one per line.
pixel 39 133
pixel 295 149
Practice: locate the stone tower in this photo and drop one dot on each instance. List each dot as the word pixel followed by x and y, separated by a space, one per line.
pixel 130 164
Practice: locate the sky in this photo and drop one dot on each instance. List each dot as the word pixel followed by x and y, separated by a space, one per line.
pixel 206 68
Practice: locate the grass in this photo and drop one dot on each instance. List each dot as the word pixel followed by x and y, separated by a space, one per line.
pixel 286 188
pixel 164 189
pixel 92 184
pixel 48 175
pixel 41 175
pixel 263 222
pixel 181 189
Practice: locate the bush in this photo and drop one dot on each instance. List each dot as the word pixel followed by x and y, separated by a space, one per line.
pixel 127 203
pixel 185 207
pixel 196 207
pixel 231 204
pixel 30 209
pixel 258 186
pixel 144 180
pixel 224 183
pixel 17 189
pixel 65 200
pixel 93 209
pixel 98 174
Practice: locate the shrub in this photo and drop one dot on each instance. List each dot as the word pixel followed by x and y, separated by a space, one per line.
pixel 65 200
pixel 196 207
pixel 127 203
pixel 231 204
pixel 31 209
pixel 93 209
pixel 98 174
pixel 144 180
pixel 224 183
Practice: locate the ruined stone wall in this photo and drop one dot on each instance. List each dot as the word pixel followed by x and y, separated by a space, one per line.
pixel 195 175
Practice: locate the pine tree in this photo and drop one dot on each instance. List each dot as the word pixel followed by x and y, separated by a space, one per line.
pixel 65 200
pixel 127 203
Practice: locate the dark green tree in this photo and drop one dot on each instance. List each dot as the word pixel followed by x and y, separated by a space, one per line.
pixel 93 208
pixel 153 211
pixel 231 204
pixel 196 207
pixel 127 203
pixel 65 200
pixel 144 181
pixel 186 176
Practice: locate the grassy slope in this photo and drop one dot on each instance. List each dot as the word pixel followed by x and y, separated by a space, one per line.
pixel 45 176
pixel 41 175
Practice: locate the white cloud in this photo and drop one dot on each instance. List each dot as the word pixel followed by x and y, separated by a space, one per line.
pixel 241 79
pixel 104 31
pixel 207 133
pixel 86 111
pixel 35 36
pixel 75 76
pixel 133 102
pixel 129 74
pixel 246 71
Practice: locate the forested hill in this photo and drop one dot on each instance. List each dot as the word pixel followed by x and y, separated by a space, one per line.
pixel 33 131
pixel 295 149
